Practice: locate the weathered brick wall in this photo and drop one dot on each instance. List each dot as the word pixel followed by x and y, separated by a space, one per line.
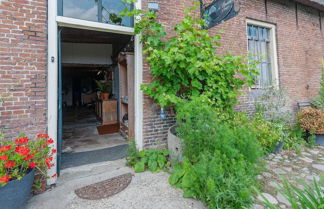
pixel 23 60
pixel 300 45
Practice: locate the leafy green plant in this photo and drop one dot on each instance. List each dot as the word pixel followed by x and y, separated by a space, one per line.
pixel 220 158
pixel 319 101
pixel 104 86
pixel 152 159
pixel 310 196
pixel 271 108
pixel 187 64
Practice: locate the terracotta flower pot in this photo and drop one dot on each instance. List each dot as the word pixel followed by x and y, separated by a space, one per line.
pixel 15 193
pixel 104 96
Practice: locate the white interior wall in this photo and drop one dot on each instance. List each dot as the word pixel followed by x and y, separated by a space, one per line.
pixel 81 53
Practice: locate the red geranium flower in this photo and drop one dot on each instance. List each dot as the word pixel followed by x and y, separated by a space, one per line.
pixel 30 156
pixel 4 179
pixel 54 151
pixel 32 165
pixel 9 164
pixel 5 148
pixel 50 141
pixel 48 162
pixel 42 136
pixel 22 150
pixel 22 140
pixel 4 157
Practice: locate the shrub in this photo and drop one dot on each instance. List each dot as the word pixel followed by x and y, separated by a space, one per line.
pixel 267 134
pixel 220 159
pixel 151 159
pixel 22 154
pixel 312 120
pixel 186 64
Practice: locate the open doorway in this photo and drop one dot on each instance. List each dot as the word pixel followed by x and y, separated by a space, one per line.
pixel 97 85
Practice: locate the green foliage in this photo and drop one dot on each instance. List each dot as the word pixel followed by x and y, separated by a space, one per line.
pixel 319 101
pixel 310 197
pixel 267 134
pixel 220 158
pixel 151 159
pixel 186 64
pixel 104 86
pixel 271 108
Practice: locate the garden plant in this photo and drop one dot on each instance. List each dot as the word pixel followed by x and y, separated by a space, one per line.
pixel 221 149
pixel 22 154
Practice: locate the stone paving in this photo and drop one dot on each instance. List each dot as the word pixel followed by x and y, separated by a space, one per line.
pixel 305 166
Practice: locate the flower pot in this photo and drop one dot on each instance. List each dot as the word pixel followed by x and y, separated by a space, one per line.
pixel 279 147
pixel 15 193
pixel 174 145
pixel 104 96
pixel 319 139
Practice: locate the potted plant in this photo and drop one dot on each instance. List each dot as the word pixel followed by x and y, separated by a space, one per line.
pixel 19 160
pixel 105 88
pixel 312 120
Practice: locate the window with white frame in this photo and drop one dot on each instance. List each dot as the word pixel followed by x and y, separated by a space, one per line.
pixel 262 50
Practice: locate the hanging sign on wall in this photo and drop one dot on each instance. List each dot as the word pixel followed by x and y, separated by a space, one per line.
pixel 218 11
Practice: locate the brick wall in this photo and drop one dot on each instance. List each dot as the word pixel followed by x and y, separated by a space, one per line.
pixel 300 45
pixel 23 60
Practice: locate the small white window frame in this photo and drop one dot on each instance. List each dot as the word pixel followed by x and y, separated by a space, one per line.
pixel 273 48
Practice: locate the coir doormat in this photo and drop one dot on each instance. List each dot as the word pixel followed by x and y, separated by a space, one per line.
pixel 105 188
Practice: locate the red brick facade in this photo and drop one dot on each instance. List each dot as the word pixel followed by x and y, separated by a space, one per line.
pixel 300 46
pixel 23 58
pixel 23 66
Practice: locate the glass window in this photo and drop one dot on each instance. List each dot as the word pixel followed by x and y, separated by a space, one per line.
pixel 111 10
pixel 259 45
pixel 81 9
pixel 106 11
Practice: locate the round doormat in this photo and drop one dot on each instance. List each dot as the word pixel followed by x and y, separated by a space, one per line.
pixel 105 188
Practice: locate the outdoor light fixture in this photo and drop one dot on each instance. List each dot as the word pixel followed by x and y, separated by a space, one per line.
pixel 153 6
pixel 162 114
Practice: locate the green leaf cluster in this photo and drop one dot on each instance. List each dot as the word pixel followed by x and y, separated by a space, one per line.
pixel 186 64
pixel 221 158
pixel 153 160
pixel 319 101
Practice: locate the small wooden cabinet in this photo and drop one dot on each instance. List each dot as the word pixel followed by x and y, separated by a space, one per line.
pixel 107 111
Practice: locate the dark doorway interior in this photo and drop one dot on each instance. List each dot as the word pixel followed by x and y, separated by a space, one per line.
pixel 91 123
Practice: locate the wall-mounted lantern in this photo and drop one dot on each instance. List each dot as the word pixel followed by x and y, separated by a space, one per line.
pixel 153 6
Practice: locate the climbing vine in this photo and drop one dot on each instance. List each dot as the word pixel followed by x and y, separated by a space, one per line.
pixel 186 64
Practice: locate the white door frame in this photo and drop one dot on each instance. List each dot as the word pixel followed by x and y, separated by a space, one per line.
pixel 52 76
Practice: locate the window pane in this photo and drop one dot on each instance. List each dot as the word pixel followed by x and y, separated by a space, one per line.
pixel 259 51
pixel 81 9
pixel 111 10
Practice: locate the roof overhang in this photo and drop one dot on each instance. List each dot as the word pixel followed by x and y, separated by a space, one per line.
pixel 312 3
